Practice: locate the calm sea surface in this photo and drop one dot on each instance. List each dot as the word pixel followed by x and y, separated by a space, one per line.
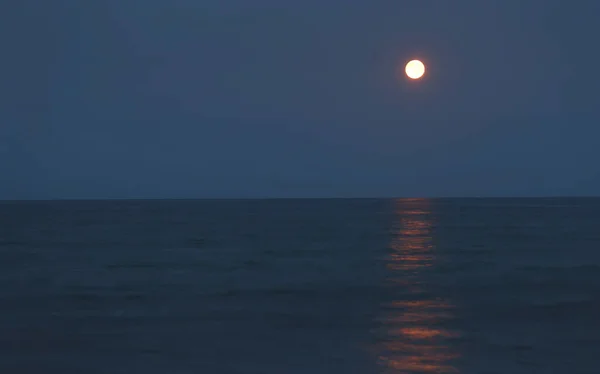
pixel 300 286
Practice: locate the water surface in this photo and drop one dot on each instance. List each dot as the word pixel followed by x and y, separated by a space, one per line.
pixel 300 286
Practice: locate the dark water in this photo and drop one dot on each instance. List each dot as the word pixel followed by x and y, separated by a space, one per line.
pixel 301 286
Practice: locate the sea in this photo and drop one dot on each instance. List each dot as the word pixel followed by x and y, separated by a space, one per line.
pixel 300 286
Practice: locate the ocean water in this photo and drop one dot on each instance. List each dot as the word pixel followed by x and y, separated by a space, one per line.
pixel 300 286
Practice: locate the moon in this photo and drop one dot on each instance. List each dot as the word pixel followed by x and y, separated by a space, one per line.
pixel 415 69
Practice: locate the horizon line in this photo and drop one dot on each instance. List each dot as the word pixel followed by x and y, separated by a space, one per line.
pixel 305 198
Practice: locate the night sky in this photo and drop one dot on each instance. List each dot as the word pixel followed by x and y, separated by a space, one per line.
pixel 238 98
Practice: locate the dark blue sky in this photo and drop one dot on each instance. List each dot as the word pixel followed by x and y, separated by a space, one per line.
pixel 192 98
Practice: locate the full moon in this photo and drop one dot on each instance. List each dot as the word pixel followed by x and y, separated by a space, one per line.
pixel 415 69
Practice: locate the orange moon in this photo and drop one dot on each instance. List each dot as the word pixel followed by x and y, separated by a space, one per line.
pixel 414 69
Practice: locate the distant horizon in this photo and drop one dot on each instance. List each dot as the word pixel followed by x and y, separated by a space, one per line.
pixel 309 198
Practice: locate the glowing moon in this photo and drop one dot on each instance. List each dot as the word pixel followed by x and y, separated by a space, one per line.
pixel 415 69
